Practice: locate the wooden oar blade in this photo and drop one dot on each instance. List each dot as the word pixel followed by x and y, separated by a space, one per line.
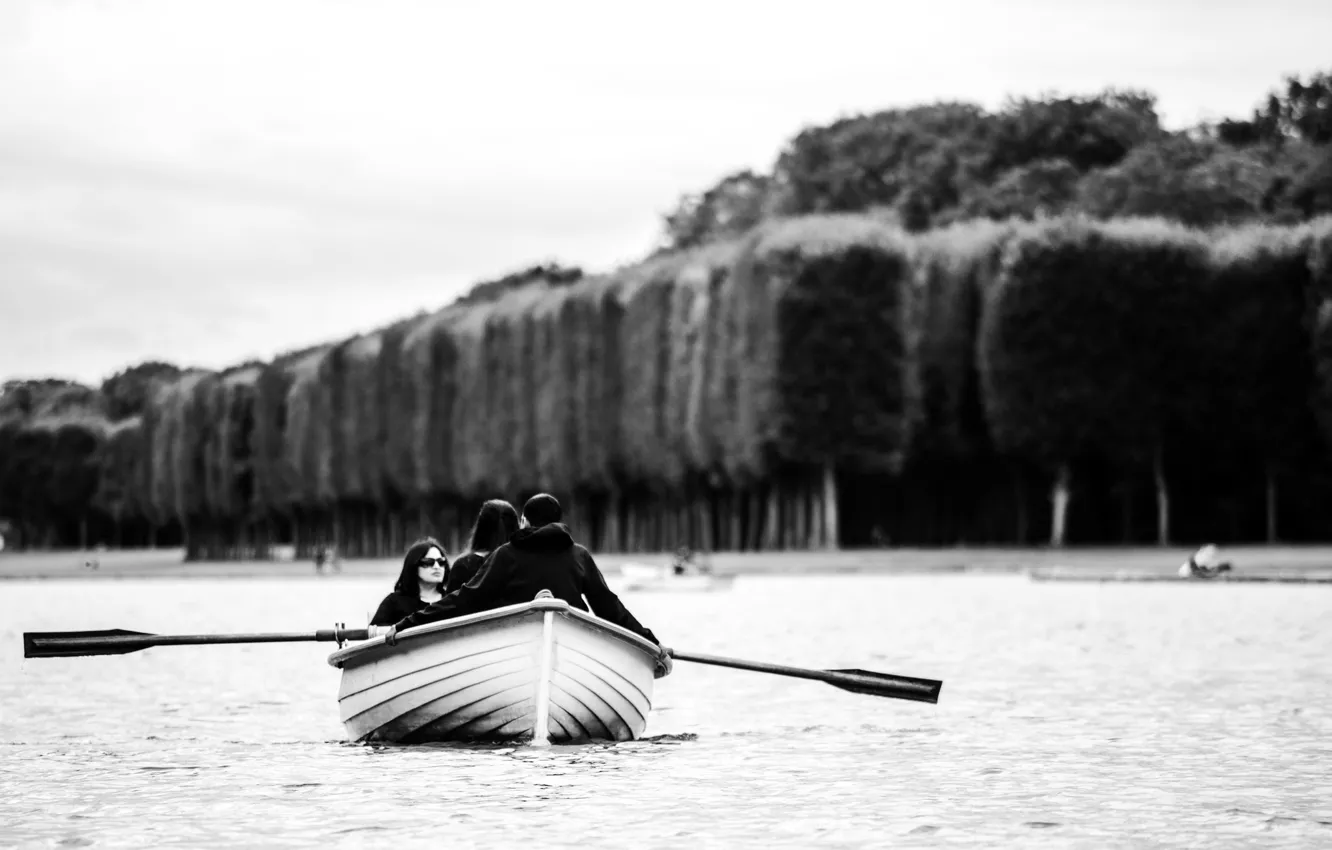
pixel 883 685
pixel 855 681
pixel 69 644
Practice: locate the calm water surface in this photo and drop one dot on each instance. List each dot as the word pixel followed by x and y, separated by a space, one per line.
pixel 1072 715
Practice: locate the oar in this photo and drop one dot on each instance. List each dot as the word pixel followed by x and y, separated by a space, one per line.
pixel 120 641
pixel 856 681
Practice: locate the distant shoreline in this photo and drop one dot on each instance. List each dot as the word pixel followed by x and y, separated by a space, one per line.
pixel 169 564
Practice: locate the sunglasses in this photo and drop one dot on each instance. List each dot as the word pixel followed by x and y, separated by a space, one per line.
pixel 430 562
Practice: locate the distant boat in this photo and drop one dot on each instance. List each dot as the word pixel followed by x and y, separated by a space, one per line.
pixel 1084 575
pixel 654 577
pixel 541 671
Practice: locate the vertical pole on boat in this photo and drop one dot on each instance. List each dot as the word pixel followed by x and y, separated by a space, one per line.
pixel 541 729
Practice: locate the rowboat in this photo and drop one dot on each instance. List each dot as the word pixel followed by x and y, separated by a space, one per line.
pixel 654 577
pixel 540 670
pixel 1057 574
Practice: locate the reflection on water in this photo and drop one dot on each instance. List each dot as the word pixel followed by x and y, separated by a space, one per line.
pixel 1071 715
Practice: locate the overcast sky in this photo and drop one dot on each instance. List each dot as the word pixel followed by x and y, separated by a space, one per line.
pixel 207 182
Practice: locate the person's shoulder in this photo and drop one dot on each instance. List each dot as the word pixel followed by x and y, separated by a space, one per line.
pixel 394 601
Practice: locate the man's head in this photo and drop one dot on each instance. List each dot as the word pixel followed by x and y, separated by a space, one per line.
pixel 541 509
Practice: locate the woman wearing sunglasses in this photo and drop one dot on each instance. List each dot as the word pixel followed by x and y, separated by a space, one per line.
pixel 424 572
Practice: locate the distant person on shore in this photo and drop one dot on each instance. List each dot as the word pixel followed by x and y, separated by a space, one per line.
pixel 686 563
pixel 425 569
pixel 542 555
pixel 1205 563
pixel 495 523
pixel 327 556
pixel 683 561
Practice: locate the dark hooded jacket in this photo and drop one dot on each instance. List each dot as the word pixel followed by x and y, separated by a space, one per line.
pixel 534 559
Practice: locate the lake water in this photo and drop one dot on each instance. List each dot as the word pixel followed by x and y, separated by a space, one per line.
pixel 1072 715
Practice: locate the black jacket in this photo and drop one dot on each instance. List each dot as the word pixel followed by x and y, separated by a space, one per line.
pixel 534 559
pixel 396 606
pixel 463 569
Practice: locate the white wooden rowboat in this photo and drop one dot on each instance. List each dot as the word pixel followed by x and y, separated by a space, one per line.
pixel 541 670
pixel 654 577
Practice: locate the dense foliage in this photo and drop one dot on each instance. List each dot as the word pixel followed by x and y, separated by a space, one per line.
pixel 1105 155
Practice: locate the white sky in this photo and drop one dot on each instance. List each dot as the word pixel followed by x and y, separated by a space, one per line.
pixel 204 182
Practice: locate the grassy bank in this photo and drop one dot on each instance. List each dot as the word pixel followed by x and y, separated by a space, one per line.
pixel 169 563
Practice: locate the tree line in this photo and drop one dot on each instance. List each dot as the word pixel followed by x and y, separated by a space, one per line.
pixel 1105 155
pixel 836 375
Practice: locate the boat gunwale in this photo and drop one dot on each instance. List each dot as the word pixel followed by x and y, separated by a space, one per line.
pixel 341 657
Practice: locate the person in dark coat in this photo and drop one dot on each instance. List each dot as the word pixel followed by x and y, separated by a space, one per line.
pixel 425 570
pixel 496 522
pixel 542 555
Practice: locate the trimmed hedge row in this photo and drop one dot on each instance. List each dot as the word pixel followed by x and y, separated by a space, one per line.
pixel 734 396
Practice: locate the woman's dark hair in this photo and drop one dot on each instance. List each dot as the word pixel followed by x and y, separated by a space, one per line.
pixel 495 524
pixel 407 580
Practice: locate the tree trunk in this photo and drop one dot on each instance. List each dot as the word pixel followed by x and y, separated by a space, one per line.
pixel 631 527
pixel 1162 497
pixel 657 512
pixel 367 545
pixel 813 536
pixel 1060 496
pixel 814 497
pixel 1271 503
pixel 813 510
pixel 703 521
pixel 665 524
pixel 1020 496
pixel 613 541
pixel 831 532
pixel 799 520
pixel 772 523
pixel 736 504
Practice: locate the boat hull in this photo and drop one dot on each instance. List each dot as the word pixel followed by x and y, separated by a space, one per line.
pixel 541 671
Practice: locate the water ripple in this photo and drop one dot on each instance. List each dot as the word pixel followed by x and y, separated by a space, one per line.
pixel 1072 716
